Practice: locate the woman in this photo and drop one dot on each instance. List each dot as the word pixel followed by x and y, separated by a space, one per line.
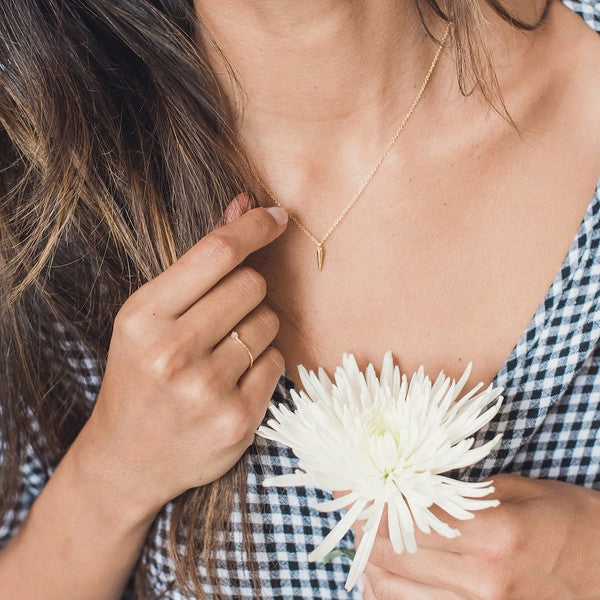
pixel 127 406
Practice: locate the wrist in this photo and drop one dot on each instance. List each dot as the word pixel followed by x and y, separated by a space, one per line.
pixel 105 485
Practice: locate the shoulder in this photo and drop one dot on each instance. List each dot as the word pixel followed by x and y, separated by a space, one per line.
pixel 573 41
pixel 569 51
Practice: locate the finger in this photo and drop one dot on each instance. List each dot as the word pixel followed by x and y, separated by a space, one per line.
pixel 446 570
pixel 257 330
pixel 388 586
pixel 510 487
pixel 225 305
pixel 210 259
pixel 431 540
pixel 259 382
pixel 474 533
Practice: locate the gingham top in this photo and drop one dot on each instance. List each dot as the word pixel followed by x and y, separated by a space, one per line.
pixel 550 422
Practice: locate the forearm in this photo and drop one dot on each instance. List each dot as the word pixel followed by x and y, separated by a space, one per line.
pixel 79 541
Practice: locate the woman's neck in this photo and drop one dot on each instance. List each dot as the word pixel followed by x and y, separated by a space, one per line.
pixel 327 82
pixel 344 67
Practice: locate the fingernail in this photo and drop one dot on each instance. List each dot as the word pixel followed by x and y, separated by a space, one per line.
pixel 243 201
pixel 236 208
pixel 279 214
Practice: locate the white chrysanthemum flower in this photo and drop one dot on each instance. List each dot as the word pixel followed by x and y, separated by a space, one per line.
pixel 388 441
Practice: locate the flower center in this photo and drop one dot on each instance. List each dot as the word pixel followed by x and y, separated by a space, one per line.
pixel 386 440
pixel 377 425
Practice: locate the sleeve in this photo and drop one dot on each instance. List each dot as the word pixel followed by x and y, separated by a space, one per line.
pixel 566 446
pixel 33 479
pixel 34 476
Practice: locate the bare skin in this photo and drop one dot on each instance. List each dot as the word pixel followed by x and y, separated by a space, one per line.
pixel 455 242
pixel 310 67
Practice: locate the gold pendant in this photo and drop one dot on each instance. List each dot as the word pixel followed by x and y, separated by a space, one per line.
pixel 320 252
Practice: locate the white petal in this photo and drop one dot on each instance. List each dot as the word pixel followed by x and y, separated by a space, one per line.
pixel 337 533
pixel 387 369
pixel 463 378
pixel 288 480
pixel 439 526
pixel 468 489
pixel 406 523
pixel 325 380
pixel 395 532
pixel 364 548
pixel 371 379
pixel 312 385
pixel 336 504
pixel 420 516
pixel 454 510
pixel 476 454
pixel 439 382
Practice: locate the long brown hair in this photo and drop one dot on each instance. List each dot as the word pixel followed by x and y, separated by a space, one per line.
pixel 112 164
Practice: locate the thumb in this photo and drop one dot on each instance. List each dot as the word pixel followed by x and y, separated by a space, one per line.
pixel 236 208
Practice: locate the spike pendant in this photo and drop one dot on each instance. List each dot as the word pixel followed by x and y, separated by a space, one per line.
pixel 320 255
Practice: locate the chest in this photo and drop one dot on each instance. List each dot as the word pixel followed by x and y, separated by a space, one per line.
pixel 454 244
pixel 444 266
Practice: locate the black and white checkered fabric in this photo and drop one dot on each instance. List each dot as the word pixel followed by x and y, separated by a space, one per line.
pixel 550 422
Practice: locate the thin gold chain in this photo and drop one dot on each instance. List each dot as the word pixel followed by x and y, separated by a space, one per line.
pixel 374 170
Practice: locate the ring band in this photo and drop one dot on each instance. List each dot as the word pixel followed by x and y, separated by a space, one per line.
pixel 236 337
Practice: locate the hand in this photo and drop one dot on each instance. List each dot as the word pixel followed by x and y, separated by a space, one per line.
pixel 178 405
pixel 541 542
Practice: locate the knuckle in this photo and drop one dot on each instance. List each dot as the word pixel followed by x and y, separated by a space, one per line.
pixel 252 281
pixel 247 440
pixel 197 386
pixel 233 426
pixel 224 247
pixel 166 362
pixel 128 320
pixel 141 294
pixel 507 540
pixel 496 589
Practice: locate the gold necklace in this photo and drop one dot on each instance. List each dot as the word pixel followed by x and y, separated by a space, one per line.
pixel 319 243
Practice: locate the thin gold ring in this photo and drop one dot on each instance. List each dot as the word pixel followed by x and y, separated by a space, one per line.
pixel 235 335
